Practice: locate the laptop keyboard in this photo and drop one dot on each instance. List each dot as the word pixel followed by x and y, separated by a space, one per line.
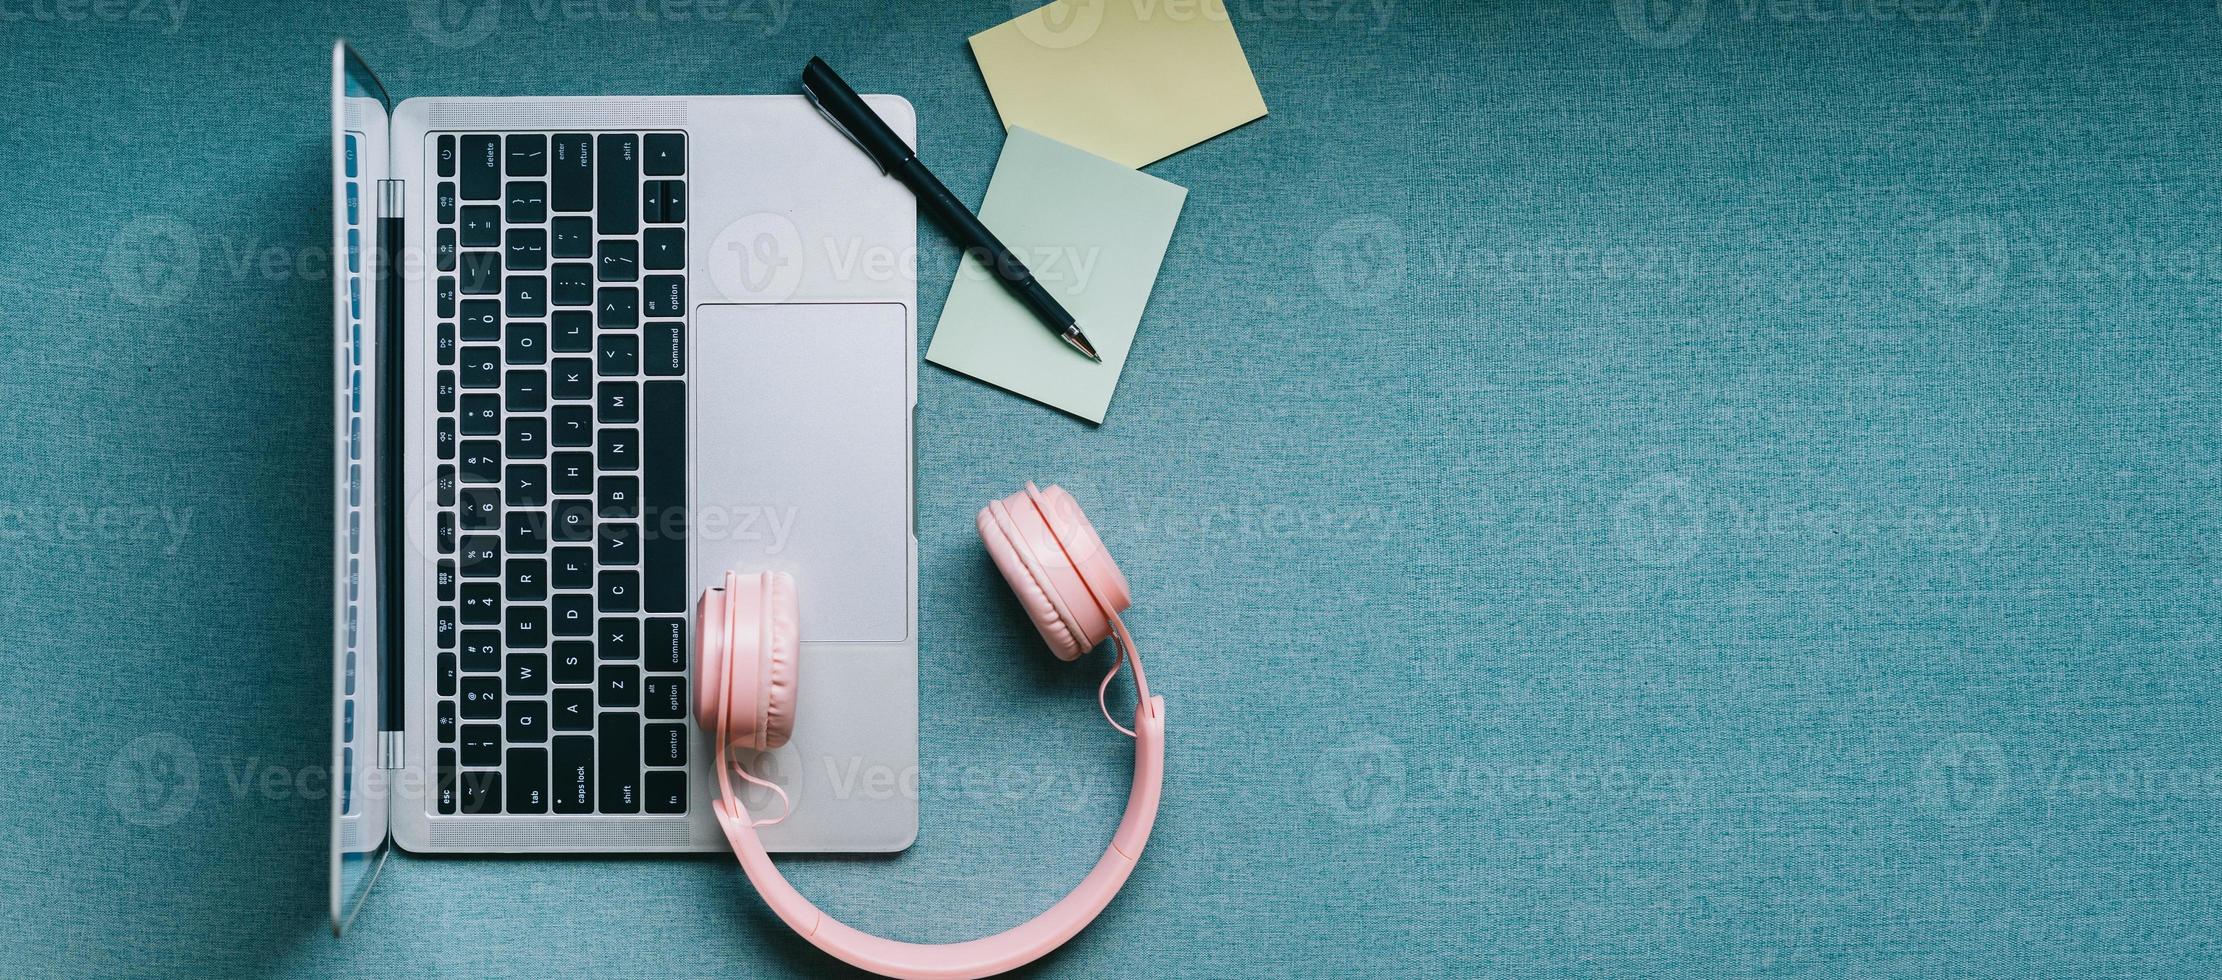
pixel 560 294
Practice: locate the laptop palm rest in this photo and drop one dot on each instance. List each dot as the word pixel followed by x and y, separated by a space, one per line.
pixel 802 458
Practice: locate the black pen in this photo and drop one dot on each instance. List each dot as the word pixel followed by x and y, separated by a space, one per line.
pixel 848 113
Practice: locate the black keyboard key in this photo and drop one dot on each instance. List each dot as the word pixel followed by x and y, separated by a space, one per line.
pixel 444 345
pixel 528 155
pixel 525 485
pixel 443 294
pixel 481 651
pixel 571 284
pixel 675 201
pixel 573 709
pixel 446 156
pixel 619 449
pixel 663 249
pixel 443 202
pixel 481 167
pixel 481 556
pixel 618 751
pixel 443 250
pixel 572 474
pixel 481 700
pixel 666 644
pixel 665 355
pixel 445 675
pixel 526 202
pixel 481 461
pixel 572 613
pixel 525 580
pixel 527 676
pixel 481 508
pixel 481 415
pixel 665 791
pixel 652 202
pixel 481 745
pixel 620 685
pixel 571 172
pixel 665 745
pixel 444 576
pixel 482 791
pixel 618 543
pixel 662 297
pixel 617 638
pixel 664 697
pixel 528 780
pixel 527 628
pixel 526 533
pixel 527 437
pixel 617 403
pixel 571 426
pixel 620 355
pixel 446 485
pixel 617 171
pixel 573 331
pixel 446 533
pixel 527 296
pixel 445 727
pixel 572 521
pixel 481 273
pixel 444 627
pixel 481 367
pixel 664 496
pixel 618 260
pixel 571 568
pixel 619 496
pixel 524 390
pixel 445 784
pixel 573 379
pixel 620 591
pixel 527 343
pixel 481 604
pixel 525 248
pixel 572 764
pixel 444 438
pixel 665 155
pixel 573 664
pixel 481 226
pixel 572 238
pixel 481 319
pixel 528 720
pixel 617 307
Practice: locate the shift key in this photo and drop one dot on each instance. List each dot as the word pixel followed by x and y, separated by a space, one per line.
pixel 617 184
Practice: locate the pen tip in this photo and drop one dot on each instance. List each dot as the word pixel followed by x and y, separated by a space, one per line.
pixel 1079 342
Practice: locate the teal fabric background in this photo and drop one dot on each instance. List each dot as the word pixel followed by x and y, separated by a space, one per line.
pixel 1611 488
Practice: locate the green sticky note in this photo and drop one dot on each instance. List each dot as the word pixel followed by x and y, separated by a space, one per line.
pixel 1093 233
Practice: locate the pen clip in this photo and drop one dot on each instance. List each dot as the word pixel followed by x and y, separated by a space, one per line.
pixel 821 107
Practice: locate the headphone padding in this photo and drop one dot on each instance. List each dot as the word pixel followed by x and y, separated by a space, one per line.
pixel 782 626
pixel 1008 548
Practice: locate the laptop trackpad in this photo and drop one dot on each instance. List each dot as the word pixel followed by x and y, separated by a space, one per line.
pixel 802 465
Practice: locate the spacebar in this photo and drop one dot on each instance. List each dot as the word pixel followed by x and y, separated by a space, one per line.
pixel 663 495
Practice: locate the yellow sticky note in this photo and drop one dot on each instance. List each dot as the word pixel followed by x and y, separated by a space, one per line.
pixel 1129 80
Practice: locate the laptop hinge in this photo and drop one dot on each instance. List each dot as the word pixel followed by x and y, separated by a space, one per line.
pixel 392 236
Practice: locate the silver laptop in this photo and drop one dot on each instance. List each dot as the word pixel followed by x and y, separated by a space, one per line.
pixel 590 353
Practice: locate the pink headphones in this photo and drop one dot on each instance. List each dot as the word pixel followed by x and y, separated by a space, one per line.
pixel 746 651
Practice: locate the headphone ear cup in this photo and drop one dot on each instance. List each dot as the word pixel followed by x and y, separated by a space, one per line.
pixel 748 640
pixel 782 631
pixel 1018 567
pixel 713 644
